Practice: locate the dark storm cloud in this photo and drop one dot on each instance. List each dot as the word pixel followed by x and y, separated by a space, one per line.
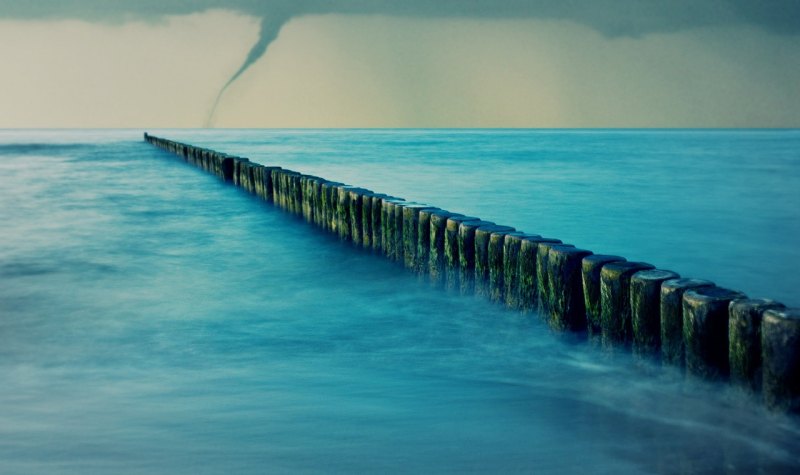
pixel 611 17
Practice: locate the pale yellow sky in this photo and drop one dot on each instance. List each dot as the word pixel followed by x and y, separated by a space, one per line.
pixel 378 71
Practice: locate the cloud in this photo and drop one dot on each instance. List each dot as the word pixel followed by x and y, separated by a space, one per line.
pixel 612 18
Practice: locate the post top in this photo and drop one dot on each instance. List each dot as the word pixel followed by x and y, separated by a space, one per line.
pixel 779 314
pixel 685 283
pixel 434 211
pixel 760 305
pixel 495 228
pixel 391 200
pixel 518 236
pixel 443 213
pixel 359 191
pixel 460 218
pixel 711 294
pixel 414 205
pixel 503 234
pixel 546 245
pixel 535 239
pixel 624 267
pixel 654 275
pixel 474 224
pixel 569 249
pixel 603 259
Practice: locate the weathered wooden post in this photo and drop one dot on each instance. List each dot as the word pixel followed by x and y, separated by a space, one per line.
pixel 330 195
pixel 286 189
pixel 528 268
pixel 423 251
pixel 318 203
pixel 387 227
pixel 744 341
pixel 305 208
pixel 646 309
pixel 258 176
pixel 392 229
pixel 356 214
pixel 307 203
pixel 375 221
pixel 199 157
pixel 466 254
pixel 238 174
pixel 615 301
pixel 216 165
pixel 543 278
pixel 346 213
pixel 213 159
pixel 511 267
pixel 310 186
pixel 451 257
pixel 399 246
pixel 275 178
pixel 590 276
pixel 436 226
pixel 343 212
pixel 297 194
pixel 251 176
pixel 672 348
pixel 226 168
pixel 566 304
pixel 705 331
pixel 366 219
pixel 497 286
pixel 378 221
pixel 780 340
pixel 483 237
pixel 201 162
pixel 410 215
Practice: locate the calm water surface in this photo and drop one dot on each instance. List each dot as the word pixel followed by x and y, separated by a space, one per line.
pixel 155 320
pixel 722 205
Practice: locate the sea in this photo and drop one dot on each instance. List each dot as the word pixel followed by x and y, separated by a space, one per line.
pixel 154 319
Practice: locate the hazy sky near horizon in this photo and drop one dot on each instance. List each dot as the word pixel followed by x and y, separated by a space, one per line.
pixel 407 63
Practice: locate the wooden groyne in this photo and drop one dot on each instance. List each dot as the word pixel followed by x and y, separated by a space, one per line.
pixel 708 331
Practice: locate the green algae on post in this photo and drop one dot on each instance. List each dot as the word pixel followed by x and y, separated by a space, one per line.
pixel 528 268
pixel 672 347
pixel 744 341
pixel 496 253
pixel 615 301
pixel 646 309
pixel 437 228
pixel 451 246
pixel 483 237
pixel 780 340
pixel 705 330
pixel 566 304
pixel 511 268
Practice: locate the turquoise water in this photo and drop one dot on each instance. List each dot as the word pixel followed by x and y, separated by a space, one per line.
pixel 155 320
pixel 721 205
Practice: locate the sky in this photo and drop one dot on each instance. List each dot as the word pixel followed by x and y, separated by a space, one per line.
pixel 402 63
